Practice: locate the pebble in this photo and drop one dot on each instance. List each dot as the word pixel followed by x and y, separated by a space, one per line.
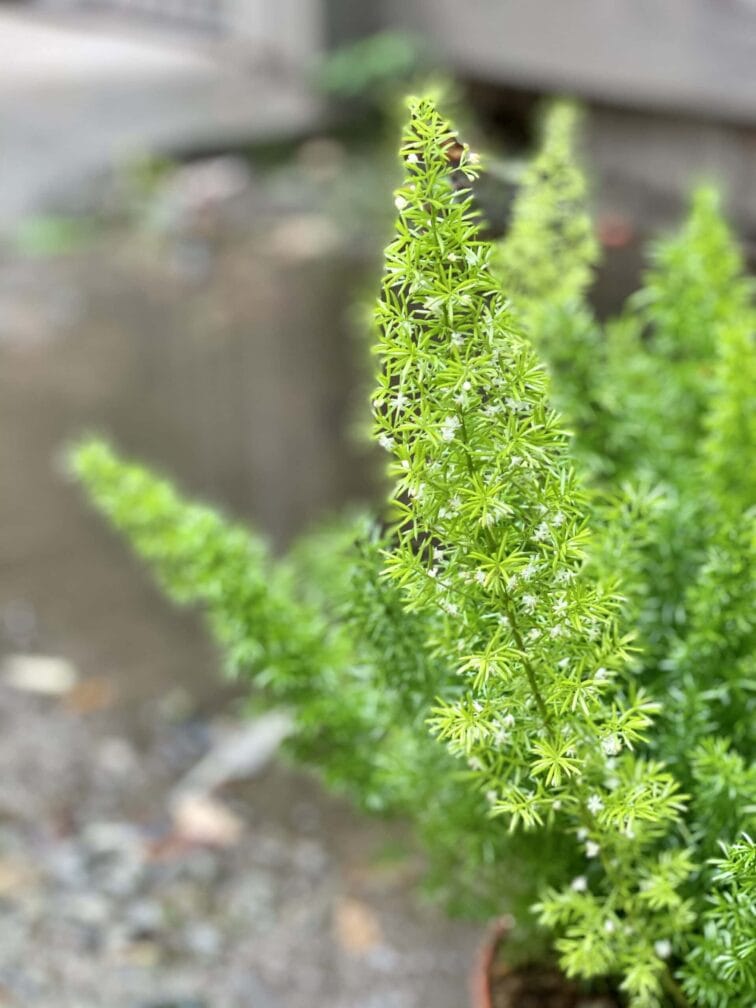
pixel 145 918
pixel 87 908
pixel 46 674
pixel 240 753
pixel 116 757
pixel 203 939
pixel 66 865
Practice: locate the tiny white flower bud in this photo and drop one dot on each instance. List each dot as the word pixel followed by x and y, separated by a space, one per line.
pixel 579 884
pixel 663 948
pixel 611 745
pixel 529 602
pixel 449 428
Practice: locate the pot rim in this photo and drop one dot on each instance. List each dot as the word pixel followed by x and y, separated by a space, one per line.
pixel 480 977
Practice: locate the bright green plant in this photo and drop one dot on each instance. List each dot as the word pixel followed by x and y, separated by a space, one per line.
pixel 546 264
pixel 321 631
pixel 550 250
pixel 470 664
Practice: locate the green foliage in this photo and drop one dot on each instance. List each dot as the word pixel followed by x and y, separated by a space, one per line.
pixel 471 664
pixel 550 250
pixel 546 264
pixel 321 631
pixel 491 531
pixel 372 68
pixel 663 406
pixel 720 971
pixel 730 420
pixel 661 368
pixel 53 234
pixel 710 671
pixel 255 610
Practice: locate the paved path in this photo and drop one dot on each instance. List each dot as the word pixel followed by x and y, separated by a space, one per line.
pixel 76 97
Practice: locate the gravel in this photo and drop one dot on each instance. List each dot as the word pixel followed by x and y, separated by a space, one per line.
pixel 104 904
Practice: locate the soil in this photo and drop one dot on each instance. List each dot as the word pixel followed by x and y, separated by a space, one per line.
pixel 534 987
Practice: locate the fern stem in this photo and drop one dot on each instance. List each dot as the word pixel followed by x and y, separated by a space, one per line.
pixel 672 988
pixel 529 670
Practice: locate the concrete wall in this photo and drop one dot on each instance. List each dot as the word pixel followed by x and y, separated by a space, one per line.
pixel 289 31
pixel 292 30
pixel 670 85
pixel 697 56
pixel 647 162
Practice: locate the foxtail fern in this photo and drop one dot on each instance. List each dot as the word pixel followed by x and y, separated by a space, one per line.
pixel 469 661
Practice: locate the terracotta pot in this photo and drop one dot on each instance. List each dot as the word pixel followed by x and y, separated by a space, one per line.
pixel 480 977
pixel 545 985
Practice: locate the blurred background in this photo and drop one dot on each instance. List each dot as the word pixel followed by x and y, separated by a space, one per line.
pixel 194 195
